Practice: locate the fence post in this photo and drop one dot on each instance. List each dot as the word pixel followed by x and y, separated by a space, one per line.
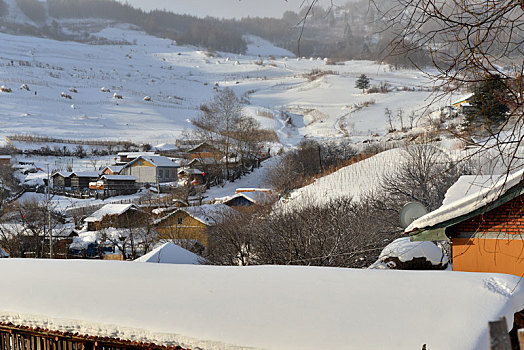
pixel 498 334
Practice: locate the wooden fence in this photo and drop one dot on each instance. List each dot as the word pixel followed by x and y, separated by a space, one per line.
pixel 25 338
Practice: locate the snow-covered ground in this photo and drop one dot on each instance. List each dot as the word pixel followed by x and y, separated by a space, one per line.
pixel 179 79
pixel 265 307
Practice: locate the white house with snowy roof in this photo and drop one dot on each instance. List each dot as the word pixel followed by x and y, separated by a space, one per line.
pixel 152 169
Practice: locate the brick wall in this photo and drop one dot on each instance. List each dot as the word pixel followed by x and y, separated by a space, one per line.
pixel 508 218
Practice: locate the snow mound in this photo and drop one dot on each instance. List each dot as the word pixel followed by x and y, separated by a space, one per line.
pixel 170 253
pixel 405 251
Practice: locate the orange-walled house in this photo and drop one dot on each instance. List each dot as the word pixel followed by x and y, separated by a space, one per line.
pixel 483 218
pixel 191 223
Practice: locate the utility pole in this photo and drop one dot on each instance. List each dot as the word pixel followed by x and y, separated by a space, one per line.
pixel 49 214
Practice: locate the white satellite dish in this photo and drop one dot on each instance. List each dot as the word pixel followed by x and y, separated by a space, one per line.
pixel 411 212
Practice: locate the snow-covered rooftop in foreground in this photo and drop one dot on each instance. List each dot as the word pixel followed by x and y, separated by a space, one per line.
pixel 486 192
pixel 170 253
pixel 265 307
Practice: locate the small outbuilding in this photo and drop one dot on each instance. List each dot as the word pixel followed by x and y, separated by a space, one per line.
pixel 62 179
pixel 81 180
pixel 113 215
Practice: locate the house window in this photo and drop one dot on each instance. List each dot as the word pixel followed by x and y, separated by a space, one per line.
pixel 179 221
pixel 160 173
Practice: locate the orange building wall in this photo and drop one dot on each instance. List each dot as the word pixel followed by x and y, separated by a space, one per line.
pixel 488 255
pixel 496 243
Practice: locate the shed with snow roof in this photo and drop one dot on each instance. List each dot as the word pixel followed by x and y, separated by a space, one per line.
pixel 81 180
pixel 62 179
pixel 5 159
pixel 114 215
pixel 484 220
pixel 115 185
pixel 247 199
pixel 191 223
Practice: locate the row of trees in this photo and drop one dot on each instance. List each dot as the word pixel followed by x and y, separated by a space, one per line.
pixel 210 33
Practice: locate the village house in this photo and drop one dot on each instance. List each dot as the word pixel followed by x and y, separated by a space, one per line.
pixel 205 152
pixel 113 215
pixel 5 159
pixel 152 169
pixel 191 223
pixel 462 104
pixel 62 180
pixel 247 197
pixel 112 170
pixel 80 180
pixel 114 185
pixel 483 218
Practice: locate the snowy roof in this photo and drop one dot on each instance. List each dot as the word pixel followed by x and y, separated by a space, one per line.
pixel 114 168
pixel 463 98
pixel 5 156
pixel 191 171
pixel 136 154
pixel 470 200
pixel 170 253
pixel 3 253
pixel 109 209
pixel 255 197
pixel 209 214
pixel 198 146
pixel 63 173
pixel 85 174
pixel 166 147
pixel 262 307
pixel 119 177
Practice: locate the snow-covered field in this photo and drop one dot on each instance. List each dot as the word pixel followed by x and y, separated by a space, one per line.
pixel 179 79
pixel 265 307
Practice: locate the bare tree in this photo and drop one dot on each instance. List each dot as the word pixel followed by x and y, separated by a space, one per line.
pixel 424 175
pixel 469 43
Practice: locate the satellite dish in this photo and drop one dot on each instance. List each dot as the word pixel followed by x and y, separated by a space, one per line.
pixel 411 212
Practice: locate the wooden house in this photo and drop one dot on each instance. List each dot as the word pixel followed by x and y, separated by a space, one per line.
pixel 62 179
pixel 152 169
pixel 483 220
pixel 249 198
pixel 114 215
pixel 112 170
pixel 115 185
pixel 5 159
pixel 80 180
pixel 191 223
pixel 463 103
pixel 205 151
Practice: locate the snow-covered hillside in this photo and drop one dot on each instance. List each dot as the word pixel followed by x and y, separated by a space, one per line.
pixel 179 79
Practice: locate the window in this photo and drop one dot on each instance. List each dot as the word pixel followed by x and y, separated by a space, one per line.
pixel 160 173
pixel 179 221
